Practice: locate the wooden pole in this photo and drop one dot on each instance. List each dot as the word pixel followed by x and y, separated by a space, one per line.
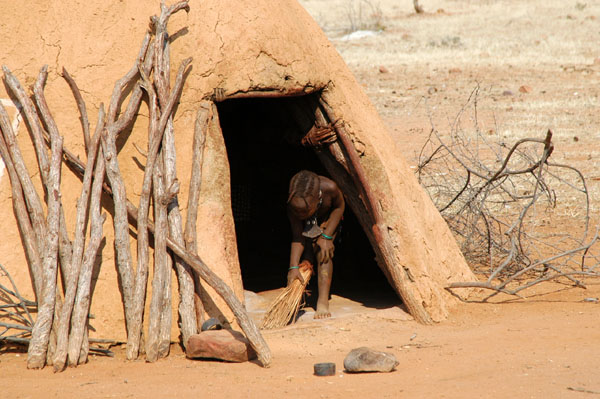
pixel 159 299
pixel 157 127
pixel 113 127
pixel 34 204
pixel 32 120
pixel 29 238
pixel 152 180
pixel 187 306
pixel 82 300
pixel 36 354
pixel 377 232
pixel 64 321
pixel 190 235
pixel 248 326
pixel 65 246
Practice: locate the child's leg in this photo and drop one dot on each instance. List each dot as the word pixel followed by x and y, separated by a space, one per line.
pixel 325 271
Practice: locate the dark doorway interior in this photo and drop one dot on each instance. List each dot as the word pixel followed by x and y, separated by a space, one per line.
pixel 264 151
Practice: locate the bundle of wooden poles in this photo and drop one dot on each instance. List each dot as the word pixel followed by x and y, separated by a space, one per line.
pixel 60 333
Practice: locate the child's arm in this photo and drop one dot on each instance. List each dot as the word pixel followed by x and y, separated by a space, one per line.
pixel 296 249
pixel 325 242
pixel 338 206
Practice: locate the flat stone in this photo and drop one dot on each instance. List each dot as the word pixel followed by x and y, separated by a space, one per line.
pixel 368 360
pixel 525 89
pixel 227 345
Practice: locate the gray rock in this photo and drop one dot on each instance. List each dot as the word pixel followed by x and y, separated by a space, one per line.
pixel 368 360
pixel 226 345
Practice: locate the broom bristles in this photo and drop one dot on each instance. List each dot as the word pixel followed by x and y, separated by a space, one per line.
pixel 285 307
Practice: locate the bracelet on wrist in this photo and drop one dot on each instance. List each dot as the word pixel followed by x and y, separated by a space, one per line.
pixel 325 236
pixel 294 267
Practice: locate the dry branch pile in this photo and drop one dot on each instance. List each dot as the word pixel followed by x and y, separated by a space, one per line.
pixel 60 332
pixel 498 199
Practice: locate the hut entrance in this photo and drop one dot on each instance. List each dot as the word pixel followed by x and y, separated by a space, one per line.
pixel 263 146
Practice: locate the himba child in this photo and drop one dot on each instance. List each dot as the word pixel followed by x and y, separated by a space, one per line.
pixel 315 208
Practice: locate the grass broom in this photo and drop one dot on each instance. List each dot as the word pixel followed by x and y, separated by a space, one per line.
pixel 285 307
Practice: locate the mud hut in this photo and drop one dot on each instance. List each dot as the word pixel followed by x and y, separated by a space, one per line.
pixel 274 84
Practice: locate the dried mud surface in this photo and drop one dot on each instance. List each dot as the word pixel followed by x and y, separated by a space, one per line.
pixel 421 70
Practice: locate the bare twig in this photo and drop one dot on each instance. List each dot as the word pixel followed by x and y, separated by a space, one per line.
pixel 418 7
pixel 583 390
pixel 85 124
pixel 19 301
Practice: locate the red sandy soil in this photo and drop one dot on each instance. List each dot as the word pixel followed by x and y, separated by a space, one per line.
pixel 543 347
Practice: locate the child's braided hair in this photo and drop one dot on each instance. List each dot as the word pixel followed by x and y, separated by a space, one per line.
pixel 304 184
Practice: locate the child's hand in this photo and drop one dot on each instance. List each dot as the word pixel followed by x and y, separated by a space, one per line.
pixel 326 250
pixel 294 274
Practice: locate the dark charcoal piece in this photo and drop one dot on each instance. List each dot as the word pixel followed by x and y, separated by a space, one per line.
pixel 324 369
pixel 211 324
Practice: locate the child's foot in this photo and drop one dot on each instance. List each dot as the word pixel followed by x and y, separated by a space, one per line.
pixel 322 311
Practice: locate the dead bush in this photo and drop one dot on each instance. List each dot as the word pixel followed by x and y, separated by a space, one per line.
pixel 506 203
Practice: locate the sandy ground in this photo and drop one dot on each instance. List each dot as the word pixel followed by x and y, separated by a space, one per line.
pixel 542 347
pixel 420 70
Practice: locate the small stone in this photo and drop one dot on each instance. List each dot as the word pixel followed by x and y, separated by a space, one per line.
pixel 324 369
pixel 454 70
pixel 367 360
pixel 507 93
pixel 525 89
pixel 383 69
pixel 227 345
